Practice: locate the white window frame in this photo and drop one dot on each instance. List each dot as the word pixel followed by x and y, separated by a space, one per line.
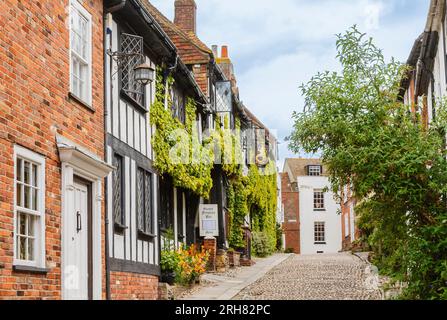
pixel 320 232
pixel 315 170
pixel 75 5
pixel 320 191
pixel 39 247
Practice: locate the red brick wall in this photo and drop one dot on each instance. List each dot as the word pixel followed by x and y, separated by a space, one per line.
pixel 185 15
pixel 34 105
pixel 210 245
pixel 290 200
pixel 201 76
pixel 132 286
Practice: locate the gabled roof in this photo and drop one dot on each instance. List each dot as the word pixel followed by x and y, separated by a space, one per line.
pixel 191 49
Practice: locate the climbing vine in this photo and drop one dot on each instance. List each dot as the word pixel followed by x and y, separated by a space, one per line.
pixel 178 150
pixel 262 201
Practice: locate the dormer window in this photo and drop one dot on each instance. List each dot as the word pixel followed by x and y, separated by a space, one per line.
pixel 314 170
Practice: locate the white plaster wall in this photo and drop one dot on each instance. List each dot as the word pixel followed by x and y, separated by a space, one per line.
pixel 308 216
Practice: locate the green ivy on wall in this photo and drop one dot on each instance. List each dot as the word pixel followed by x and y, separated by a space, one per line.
pixel 262 201
pixel 238 210
pixel 178 151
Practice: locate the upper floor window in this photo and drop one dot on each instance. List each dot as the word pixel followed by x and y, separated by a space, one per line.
pixel 80 52
pixel 178 104
pixel 132 44
pixel 314 170
pixel 318 200
pixel 29 209
pixel 144 202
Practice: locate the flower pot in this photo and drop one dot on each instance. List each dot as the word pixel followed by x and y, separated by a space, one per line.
pixel 168 277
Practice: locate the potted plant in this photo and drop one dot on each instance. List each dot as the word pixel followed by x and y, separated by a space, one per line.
pixel 169 262
pixel 169 258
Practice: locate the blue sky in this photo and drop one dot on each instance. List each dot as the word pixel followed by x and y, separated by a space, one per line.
pixel 278 45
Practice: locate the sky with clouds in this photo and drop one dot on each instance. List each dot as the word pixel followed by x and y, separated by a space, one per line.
pixel 278 45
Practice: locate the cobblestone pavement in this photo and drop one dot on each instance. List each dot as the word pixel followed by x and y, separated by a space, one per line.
pixel 315 277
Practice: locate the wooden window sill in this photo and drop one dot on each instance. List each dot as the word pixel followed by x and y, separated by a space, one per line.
pixel 145 236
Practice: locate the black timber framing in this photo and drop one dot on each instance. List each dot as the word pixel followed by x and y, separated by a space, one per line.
pixel 119 265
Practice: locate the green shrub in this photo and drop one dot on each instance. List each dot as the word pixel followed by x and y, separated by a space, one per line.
pixel 261 244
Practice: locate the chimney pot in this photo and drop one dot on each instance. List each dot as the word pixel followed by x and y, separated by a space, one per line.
pixel 224 52
pixel 214 49
pixel 186 15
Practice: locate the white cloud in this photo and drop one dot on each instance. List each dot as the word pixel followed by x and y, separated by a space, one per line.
pixel 278 45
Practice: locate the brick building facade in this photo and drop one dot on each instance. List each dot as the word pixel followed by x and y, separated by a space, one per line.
pixel 291 225
pixel 44 114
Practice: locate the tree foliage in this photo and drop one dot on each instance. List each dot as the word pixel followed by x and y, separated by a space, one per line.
pixel 395 165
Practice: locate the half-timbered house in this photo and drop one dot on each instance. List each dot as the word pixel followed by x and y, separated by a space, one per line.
pixel 136 194
pixel 201 62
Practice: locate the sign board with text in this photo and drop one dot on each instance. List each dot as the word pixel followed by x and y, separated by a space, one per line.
pixel 209 224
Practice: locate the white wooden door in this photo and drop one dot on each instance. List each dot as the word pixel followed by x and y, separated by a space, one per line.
pixel 77 264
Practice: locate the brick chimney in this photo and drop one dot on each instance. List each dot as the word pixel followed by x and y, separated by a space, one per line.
pixel 186 15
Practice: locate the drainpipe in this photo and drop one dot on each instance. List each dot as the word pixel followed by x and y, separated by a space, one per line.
pixel 106 221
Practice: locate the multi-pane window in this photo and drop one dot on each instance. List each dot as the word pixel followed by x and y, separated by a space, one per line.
pixel 166 204
pixel 80 52
pixel 132 45
pixel 118 190
pixel 29 208
pixel 319 232
pixel 318 199
pixel 144 202
pixel 178 104
pixel 314 170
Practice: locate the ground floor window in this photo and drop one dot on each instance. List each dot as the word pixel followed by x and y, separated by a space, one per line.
pixel 319 232
pixel 29 215
pixel 144 202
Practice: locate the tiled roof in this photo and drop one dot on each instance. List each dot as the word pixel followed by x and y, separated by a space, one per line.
pixel 191 49
pixel 297 166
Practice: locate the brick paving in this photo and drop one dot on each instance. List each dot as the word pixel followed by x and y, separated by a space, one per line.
pixel 314 277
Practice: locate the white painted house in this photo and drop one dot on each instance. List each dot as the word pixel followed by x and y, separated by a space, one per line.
pixel 320 222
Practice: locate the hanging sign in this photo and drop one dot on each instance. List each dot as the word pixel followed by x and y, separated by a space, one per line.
pixel 209 226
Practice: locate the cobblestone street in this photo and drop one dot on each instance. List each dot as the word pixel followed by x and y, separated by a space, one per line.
pixel 314 277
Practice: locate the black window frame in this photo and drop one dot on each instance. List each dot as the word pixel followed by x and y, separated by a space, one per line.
pixel 145 198
pixel 124 92
pixel 119 219
pixel 180 234
pixel 166 190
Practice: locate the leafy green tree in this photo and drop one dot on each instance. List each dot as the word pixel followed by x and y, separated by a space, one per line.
pixel 395 165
